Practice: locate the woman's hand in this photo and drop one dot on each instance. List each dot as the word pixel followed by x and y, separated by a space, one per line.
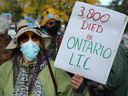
pixel 77 81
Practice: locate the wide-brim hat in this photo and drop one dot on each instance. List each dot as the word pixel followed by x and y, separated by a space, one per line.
pixel 24 26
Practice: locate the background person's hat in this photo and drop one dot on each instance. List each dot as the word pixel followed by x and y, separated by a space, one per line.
pixel 49 14
pixel 25 26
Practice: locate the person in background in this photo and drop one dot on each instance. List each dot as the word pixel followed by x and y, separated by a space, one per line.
pixel 51 24
pixel 30 70
pixel 125 38
pixel 117 83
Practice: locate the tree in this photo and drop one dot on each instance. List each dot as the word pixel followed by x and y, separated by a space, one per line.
pixel 64 7
pixel 34 8
pixel 120 6
pixel 13 7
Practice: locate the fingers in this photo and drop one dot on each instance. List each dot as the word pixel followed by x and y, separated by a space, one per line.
pixel 76 81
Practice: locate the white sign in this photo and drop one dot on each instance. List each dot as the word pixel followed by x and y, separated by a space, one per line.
pixel 90 42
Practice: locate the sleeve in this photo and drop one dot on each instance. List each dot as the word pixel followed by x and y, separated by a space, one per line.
pixel 4 69
pixel 64 84
pixel 118 69
pixel 1 86
pixel 81 94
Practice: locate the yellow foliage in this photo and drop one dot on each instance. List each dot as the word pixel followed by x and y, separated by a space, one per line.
pixel 90 1
pixel 37 7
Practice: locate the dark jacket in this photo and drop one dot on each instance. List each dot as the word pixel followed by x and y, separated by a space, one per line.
pixel 117 84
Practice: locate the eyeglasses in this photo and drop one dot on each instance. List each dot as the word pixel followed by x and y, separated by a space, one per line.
pixel 29 35
pixel 51 23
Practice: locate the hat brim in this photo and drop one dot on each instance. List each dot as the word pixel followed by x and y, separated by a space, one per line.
pixel 13 44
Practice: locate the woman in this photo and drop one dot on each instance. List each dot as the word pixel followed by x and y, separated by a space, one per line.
pixel 30 71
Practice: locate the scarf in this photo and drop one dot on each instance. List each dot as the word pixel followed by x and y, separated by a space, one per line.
pixel 26 80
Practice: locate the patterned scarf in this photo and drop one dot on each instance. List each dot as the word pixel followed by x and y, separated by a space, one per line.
pixel 26 80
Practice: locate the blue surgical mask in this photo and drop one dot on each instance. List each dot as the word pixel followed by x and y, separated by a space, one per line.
pixel 30 50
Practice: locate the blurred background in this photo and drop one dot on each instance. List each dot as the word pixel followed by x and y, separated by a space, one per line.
pixel 12 11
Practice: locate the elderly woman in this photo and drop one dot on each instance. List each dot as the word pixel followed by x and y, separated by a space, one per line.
pixel 30 71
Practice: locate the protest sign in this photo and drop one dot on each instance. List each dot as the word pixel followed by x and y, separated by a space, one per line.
pixel 91 41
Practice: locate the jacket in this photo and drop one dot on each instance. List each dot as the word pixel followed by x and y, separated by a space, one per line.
pixel 117 84
pixel 62 79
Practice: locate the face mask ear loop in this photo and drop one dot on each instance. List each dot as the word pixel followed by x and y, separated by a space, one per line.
pixel 50 69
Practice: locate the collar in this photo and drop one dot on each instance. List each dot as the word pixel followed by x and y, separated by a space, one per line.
pixel 31 64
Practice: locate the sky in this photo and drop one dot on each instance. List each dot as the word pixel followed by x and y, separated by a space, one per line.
pixel 105 2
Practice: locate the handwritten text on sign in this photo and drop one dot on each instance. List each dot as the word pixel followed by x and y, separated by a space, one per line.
pixel 95 16
pixel 90 41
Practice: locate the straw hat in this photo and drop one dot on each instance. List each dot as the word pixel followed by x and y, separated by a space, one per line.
pixel 25 26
